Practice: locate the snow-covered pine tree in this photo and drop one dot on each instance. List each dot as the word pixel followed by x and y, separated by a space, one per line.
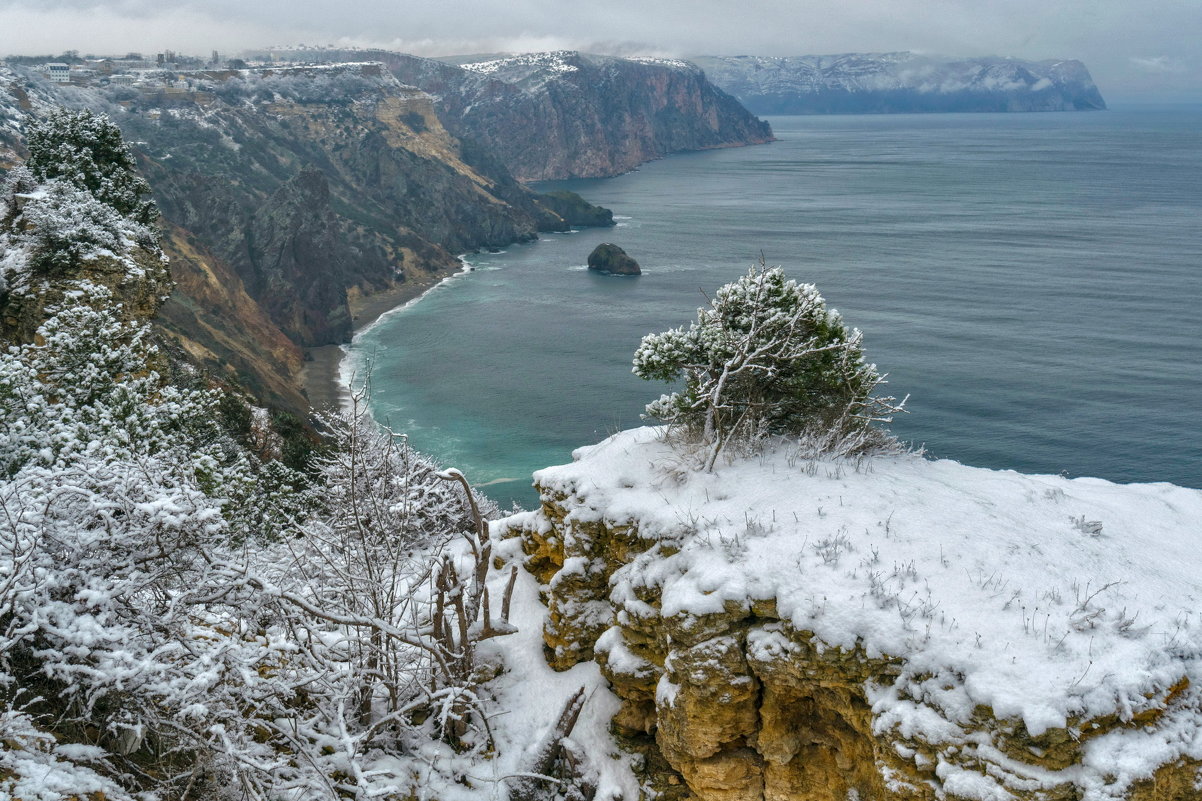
pixel 765 358
pixel 86 150
pixel 74 216
pixel 62 225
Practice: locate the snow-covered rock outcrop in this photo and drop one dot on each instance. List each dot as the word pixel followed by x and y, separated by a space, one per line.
pixel 873 83
pixel 889 628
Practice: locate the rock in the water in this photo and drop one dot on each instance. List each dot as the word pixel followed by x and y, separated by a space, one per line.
pixel 575 210
pixel 607 258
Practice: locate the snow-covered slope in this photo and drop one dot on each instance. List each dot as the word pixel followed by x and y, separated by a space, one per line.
pixel 18 96
pixel 1005 635
pixel 901 82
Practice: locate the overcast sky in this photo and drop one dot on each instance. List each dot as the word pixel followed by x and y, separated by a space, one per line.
pixel 1135 49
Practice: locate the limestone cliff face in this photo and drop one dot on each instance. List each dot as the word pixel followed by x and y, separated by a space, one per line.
pixel 595 116
pixel 571 115
pixel 738 703
pixel 326 189
pixel 754 712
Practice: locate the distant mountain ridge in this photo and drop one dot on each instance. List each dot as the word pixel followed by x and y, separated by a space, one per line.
pixel 565 114
pixel 874 83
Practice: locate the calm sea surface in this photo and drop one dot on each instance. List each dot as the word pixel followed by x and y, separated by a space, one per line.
pixel 1032 281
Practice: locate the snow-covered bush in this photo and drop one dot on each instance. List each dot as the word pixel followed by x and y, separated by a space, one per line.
pixel 111 505
pixel 766 357
pixel 86 150
pixel 371 558
pixel 61 226
pixel 177 617
pixel 154 637
pixel 85 386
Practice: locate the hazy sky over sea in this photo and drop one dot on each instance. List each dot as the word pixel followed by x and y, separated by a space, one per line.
pixel 1136 49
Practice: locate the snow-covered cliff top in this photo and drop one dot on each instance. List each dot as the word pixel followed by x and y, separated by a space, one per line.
pixel 1051 601
pixel 897 82
pixel 555 61
pixel 522 68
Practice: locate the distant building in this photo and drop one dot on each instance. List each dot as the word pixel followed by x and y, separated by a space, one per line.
pixel 59 73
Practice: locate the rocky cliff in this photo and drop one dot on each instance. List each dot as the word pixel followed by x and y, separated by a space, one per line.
pixel 875 83
pixel 889 629
pixel 288 192
pixel 327 181
pixel 571 115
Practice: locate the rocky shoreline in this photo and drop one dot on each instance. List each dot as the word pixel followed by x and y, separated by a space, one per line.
pixel 320 377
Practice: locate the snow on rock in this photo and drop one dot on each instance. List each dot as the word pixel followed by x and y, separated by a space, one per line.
pixel 533 695
pixel 555 60
pixel 532 72
pixel 517 68
pixel 989 634
pixel 660 61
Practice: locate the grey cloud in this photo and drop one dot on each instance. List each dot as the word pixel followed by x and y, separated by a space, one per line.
pixel 1113 37
pixel 1160 64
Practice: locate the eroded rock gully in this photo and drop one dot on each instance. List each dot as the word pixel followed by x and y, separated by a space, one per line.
pixel 738 705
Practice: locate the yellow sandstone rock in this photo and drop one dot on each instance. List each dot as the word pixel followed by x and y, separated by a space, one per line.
pixel 742 707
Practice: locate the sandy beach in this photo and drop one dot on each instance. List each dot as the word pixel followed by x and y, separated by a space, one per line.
pixel 319 376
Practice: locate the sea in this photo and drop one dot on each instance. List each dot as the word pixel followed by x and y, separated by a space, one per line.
pixel 1033 283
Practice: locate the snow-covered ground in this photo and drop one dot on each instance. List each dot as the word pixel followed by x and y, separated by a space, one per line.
pixel 553 61
pixel 1048 600
pixel 533 695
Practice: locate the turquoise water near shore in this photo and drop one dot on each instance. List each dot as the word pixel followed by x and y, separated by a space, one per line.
pixel 1032 281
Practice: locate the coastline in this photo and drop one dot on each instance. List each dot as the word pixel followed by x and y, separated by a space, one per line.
pixel 321 374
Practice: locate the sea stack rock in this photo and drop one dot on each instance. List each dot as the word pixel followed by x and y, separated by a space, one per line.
pixel 607 258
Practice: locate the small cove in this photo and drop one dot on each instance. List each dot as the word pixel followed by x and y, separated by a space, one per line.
pixel 1031 280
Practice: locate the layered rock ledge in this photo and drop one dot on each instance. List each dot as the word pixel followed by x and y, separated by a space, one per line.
pixel 895 628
